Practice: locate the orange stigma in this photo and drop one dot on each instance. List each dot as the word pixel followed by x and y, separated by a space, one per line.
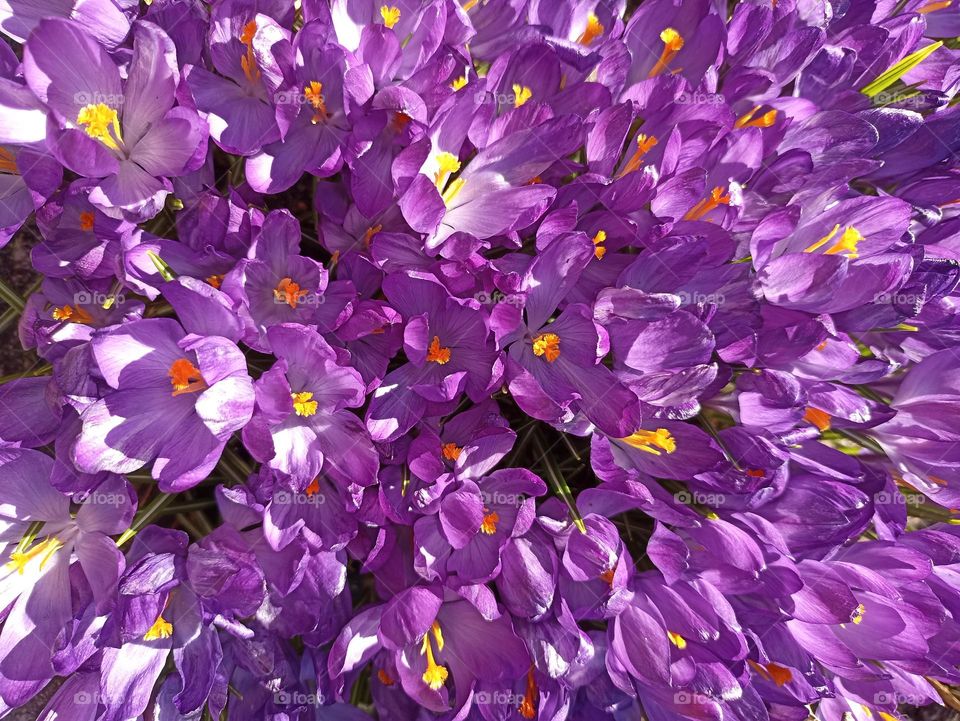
pixel 598 248
pixel 593 30
pixel 72 314
pixel 780 675
pixel 288 292
pixel 436 353
pixel 185 377
pixel 672 44
pixel 86 220
pixel 8 164
pixel 451 451
pixel 528 705
pixel 716 199
pixel 847 244
pixel 934 6
pixel 314 95
pixel 821 419
pixel 385 678
pixel 314 487
pixel 490 520
pixel 249 61
pixel 748 121
pixel 215 280
pixel 644 145
pixel 547 345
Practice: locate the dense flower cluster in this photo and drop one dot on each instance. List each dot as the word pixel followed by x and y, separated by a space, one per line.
pixel 490 360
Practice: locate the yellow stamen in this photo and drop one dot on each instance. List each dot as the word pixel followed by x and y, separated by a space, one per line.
pixel 451 451
pixel 248 62
pixel 98 121
pixel 43 550
pixel 86 220
pixel 390 15
pixel 490 520
pixel 469 5
pixel 8 164
pixel 435 675
pixel 672 44
pixel 764 121
pixel 521 94
pixel 288 292
pixel 447 164
pixel 531 696
pixel 598 240
pixel 934 6
pixel 459 83
pixel 847 243
pixel 677 640
pixel 547 345
pixel 161 628
pixel 644 144
pixel 452 191
pixel 303 404
pixel 593 30
pixel 716 199
pixel 215 280
pixel 314 95
pixel 185 377
pixel 857 617
pixel 436 353
pixel 650 441
pixel 819 418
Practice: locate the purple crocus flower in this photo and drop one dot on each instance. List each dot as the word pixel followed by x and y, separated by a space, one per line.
pixel 125 133
pixel 302 426
pixel 170 398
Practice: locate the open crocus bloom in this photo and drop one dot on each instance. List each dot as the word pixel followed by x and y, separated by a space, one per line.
pixel 127 133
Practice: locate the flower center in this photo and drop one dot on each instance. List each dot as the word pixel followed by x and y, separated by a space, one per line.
pixel 650 441
pixel 644 144
pixel 593 30
pixel 314 487
pixel 161 628
pixel 780 675
pixel 390 15
pixel 764 121
pixel 716 199
pixel 598 240
pixel 369 233
pixel 521 94
pixel 100 121
pixel 547 345
pixel 185 377
pixel 672 44
pixel 43 550
pixel 74 315
pixel 528 705
pixel 86 220
pixel 677 640
pixel 385 678
pixel 8 164
pixel 447 164
pixel 435 675
pixel 847 243
pixel 451 451
pixel 314 95
pixel 490 520
pixel 821 419
pixel 288 292
pixel 249 61
pixel 303 404
pixel 436 353
pixel 459 83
